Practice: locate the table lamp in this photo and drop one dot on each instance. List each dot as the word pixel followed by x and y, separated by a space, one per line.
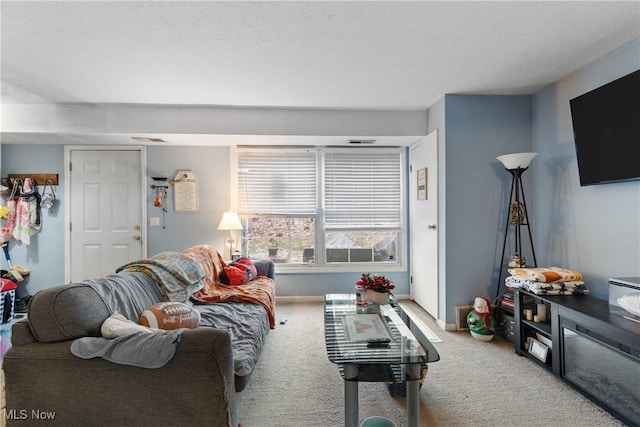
pixel 231 222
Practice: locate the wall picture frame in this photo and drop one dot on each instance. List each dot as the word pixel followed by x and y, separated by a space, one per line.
pixel 422 184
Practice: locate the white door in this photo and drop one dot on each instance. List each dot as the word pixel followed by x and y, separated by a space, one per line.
pixel 105 211
pixel 424 224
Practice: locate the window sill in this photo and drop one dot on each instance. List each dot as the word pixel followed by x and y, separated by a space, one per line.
pixel 354 268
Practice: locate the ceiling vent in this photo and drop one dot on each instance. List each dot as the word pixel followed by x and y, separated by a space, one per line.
pixel 362 141
pixel 147 140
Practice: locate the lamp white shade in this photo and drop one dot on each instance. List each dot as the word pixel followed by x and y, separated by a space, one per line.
pixel 516 160
pixel 230 221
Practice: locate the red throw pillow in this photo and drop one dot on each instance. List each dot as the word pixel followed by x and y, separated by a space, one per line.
pixel 246 261
pixel 238 272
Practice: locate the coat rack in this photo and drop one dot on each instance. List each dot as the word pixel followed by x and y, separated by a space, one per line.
pixel 37 178
pixel 159 199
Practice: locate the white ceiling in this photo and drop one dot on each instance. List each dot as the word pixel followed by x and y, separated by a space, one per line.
pixel 360 55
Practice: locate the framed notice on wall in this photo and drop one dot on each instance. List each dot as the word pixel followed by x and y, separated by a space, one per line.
pixel 422 184
pixel 185 192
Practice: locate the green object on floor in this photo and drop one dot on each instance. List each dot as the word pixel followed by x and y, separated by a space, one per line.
pixel 377 422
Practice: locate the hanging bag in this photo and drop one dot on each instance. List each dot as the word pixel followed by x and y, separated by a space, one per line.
pixel 10 218
pixel 27 212
pixel 48 199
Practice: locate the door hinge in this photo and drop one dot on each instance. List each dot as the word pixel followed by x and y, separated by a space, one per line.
pixel 410 168
pixel 70 167
pixel 411 280
pixel 70 228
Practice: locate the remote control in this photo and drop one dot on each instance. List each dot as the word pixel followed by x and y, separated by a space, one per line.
pixel 378 340
pixel 378 344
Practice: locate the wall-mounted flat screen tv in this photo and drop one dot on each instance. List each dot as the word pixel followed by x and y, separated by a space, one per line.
pixel 606 130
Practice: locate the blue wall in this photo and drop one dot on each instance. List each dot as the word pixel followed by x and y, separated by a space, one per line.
pixel 478 128
pixel 210 165
pixel 596 229
pixel 44 256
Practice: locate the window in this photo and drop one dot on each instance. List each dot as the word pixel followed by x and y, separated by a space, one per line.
pixel 321 206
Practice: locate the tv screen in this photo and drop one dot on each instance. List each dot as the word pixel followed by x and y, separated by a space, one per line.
pixel 606 130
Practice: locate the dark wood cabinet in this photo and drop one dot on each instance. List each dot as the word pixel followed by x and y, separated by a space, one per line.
pixel 594 351
pixel 544 332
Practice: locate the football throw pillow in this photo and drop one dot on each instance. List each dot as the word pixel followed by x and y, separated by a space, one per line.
pixel 170 315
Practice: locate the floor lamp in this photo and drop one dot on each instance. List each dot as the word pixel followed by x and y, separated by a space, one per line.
pixel 231 222
pixel 518 216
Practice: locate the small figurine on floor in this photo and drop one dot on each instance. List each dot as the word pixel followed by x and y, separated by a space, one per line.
pixel 480 321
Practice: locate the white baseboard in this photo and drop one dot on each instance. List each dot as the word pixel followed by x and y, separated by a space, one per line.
pixel 284 299
pixel 294 299
pixel 446 326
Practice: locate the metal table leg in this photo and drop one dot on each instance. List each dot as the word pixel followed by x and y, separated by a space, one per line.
pixel 350 396
pixel 413 395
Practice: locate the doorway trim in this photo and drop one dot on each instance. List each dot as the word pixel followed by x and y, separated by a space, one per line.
pixel 67 195
pixel 432 189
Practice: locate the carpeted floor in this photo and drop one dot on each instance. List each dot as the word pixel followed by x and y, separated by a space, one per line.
pixel 474 384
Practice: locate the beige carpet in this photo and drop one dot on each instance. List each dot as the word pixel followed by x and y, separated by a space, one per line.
pixel 474 384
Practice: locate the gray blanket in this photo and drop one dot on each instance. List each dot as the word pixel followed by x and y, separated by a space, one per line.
pixel 248 325
pixel 128 293
pixel 144 350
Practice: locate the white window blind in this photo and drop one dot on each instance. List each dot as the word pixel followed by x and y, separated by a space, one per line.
pixel 277 182
pixel 363 189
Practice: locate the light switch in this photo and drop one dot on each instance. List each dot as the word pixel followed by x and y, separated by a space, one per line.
pixel 154 222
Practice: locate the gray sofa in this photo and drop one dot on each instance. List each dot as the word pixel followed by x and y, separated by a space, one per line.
pixel 196 387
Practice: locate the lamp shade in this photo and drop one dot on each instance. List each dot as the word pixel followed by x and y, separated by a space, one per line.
pixel 230 221
pixel 516 160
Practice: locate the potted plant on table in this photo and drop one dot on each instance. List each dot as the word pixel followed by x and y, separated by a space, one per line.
pixel 273 247
pixel 377 288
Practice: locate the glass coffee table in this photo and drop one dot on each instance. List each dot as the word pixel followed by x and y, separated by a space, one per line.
pixel 379 343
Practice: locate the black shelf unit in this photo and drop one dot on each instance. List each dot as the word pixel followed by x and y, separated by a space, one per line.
pixel 542 327
pixel 525 329
pixel 592 350
pixel 517 219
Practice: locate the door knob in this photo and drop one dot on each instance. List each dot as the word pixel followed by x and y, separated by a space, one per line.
pixel 431 227
pixel 136 227
pixel 136 237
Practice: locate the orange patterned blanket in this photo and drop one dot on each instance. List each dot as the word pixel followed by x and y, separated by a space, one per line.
pixel 260 290
pixel 546 274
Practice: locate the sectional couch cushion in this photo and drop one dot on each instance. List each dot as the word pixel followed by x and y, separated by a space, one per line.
pixel 77 310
